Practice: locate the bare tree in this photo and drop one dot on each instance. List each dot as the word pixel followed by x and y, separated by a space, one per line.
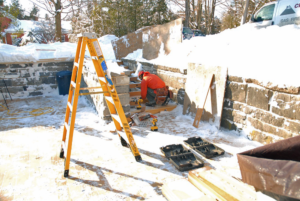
pixel 187 13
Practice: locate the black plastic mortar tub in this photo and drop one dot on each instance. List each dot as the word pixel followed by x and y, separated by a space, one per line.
pixel 203 147
pixel 63 79
pixel 181 157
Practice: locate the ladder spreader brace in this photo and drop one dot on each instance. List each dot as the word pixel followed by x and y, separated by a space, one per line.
pixel 109 91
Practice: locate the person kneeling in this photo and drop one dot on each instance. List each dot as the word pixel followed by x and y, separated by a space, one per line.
pixel 154 89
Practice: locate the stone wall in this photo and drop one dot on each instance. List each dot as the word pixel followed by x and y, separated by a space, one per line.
pixel 129 43
pixel 266 113
pixel 31 79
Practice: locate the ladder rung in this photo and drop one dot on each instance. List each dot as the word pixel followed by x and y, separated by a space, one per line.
pixel 91 93
pixel 102 79
pixel 73 84
pixel 116 117
pixel 70 106
pixel 94 58
pixel 67 126
pixel 88 88
pixel 76 64
pixel 109 98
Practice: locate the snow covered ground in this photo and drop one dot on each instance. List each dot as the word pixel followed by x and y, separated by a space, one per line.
pixel 268 54
pixel 101 169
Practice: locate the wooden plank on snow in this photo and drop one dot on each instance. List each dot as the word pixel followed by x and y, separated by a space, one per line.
pixel 221 186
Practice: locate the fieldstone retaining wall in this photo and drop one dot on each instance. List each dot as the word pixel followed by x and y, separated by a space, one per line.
pixel 31 79
pixel 266 113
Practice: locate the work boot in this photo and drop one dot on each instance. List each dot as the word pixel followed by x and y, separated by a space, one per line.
pixel 151 104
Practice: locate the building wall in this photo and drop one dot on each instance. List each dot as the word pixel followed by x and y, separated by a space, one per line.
pixel 31 79
pixel 267 114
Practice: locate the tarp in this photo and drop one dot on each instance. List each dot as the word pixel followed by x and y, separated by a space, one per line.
pixel 274 167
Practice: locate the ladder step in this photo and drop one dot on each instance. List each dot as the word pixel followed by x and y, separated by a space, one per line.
pixel 102 79
pixel 73 84
pixel 67 127
pixel 116 117
pixel 109 98
pixel 70 106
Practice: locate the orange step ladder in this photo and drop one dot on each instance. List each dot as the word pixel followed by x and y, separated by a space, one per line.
pixel 109 91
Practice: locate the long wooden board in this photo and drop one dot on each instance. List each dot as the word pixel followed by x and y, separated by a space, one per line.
pixel 135 93
pixel 221 186
pixel 135 85
pixel 202 102
pixel 182 190
pixel 154 110
pixel 132 79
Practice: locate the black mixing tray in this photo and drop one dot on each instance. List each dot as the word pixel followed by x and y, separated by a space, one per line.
pixel 181 157
pixel 203 147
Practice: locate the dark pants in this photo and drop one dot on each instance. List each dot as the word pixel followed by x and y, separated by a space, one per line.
pixel 151 95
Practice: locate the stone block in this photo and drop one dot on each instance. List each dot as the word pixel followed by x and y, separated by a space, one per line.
pixel 292 126
pixel 227 124
pixel 121 80
pixel 258 97
pixel 261 137
pixel 13 90
pixel 122 89
pixel 48 80
pixel 43 74
pixel 255 123
pixel 18 82
pixel 180 96
pixel 124 99
pixel 35 93
pixel 17 65
pixel 286 110
pixel 7 82
pixel 2 66
pixel 234 116
pixel 266 117
pixel 234 105
pixel 234 79
pixel 236 91
pixel 269 128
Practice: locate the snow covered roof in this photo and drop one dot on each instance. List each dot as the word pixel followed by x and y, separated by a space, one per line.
pixel 28 25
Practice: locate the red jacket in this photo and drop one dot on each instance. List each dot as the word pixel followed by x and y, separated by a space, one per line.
pixel 150 81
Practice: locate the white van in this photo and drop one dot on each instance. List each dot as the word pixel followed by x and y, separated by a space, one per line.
pixel 281 12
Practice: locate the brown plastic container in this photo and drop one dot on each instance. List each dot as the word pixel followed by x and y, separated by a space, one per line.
pixel 274 167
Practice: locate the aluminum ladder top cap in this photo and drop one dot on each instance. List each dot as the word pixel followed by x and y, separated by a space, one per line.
pixel 88 35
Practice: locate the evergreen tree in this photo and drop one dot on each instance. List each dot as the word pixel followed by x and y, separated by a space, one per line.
pixel 15 9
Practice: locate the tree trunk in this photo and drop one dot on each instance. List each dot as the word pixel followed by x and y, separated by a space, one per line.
pixel 244 17
pixel 212 29
pixel 199 14
pixel 58 21
pixel 187 13
pixel 206 16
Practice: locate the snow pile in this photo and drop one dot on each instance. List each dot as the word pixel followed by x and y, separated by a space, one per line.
pixel 266 54
pixel 34 52
pixel 107 49
pixel 136 55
